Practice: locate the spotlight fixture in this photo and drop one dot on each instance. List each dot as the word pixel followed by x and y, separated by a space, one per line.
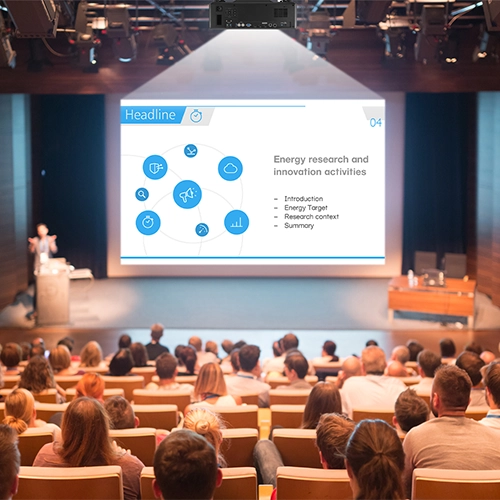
pixel 34 18
pixel 7 55
pixel 318 33
pixel 171 47
pixel 124 44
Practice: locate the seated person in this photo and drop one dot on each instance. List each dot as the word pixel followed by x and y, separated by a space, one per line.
pixel 121 414
pixel 10 461
pixel 410 410
pixel 167 369
pixel 11 356
pixel 396 369
pixel 60 361
pixel 492 389
pixel 91 356
pixel 139 354
pixel 188 361
pixel 296 367
pixel 91 385
pixel 472 364
pixel 154 348
pixel 121 364
pixel 210 388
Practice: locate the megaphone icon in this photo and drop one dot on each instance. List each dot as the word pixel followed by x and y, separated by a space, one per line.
pixel 189 193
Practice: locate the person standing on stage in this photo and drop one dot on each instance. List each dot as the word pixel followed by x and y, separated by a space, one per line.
pixel 42 246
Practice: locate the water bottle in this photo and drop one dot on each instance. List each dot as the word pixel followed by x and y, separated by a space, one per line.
pixel 410 277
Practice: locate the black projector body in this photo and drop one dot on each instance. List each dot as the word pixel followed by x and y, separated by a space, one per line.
pixel 242 14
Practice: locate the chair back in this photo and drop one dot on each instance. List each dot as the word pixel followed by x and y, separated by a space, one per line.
pixel 178 398
pixel 147 476
pixel 327 367
pixel 300 483
pixel 157 416
pixel 108 393
pixel 186 379
pixel 10 381
pixel 287 416
pixel 2 411
pixel 67 381
pixel 288 441
pixel 249 399
pixel 385 414
pixel 409 381
pixel 44 411
pixel 476 412
pixel 237 446
pixel 424 260
pixel 140 441
pixel 455 484
pixel 30 444
pixel 127 383
pixel 146 371
pixel 288 396
pixel 455 265
pixel 238 483
pixel 238 417
pixel 75 483
pixel 47 396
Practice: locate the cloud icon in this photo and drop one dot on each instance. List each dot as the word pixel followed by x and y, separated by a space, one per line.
pixel 230 168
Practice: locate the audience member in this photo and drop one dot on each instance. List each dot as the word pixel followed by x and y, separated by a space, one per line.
pixel 124 341
pixel 26 347
pixel 10 357
pixel 396 369
pixel 332 434
pixel 474 347
pixel 86 441
pixel 212 347
pixel 472 364
pixel 121 414
pixel 415 347
pixel 60 361
pixel 371 342
pixel 227 347
pixel 492 389
pixel 289 343
pixel 410 410
pixel 185 467
pixel 154 348
pixel 441 443
pixel 296 367
pixel 38 342
pixel 448 351
pixel 210 387
pixel 91 355
pixel 188 361
pixel 375 461
pixel 121 364
pixel 328 352
pixel 203 357
pixel 324 398
pixel 139 354
pixel 427 364
pixel 247 379
pixel 235 361
pixel 10 461
pixel 374 389
pixel 91 385
pixel 166 369
pixel 37 350
pixel 69 342
pixel 351 367
pixel 400 353
pixel 488 356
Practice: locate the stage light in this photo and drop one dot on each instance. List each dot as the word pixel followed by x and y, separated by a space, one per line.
pixel 170 47
pixel 488 46
pixel 370 12
pixel 124 43
pixel 34 18
pixel 317 32
pixel 85 42
pixel 7 55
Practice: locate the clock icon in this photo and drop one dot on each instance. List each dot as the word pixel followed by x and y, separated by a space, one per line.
pixel 196 116
pixel 148 222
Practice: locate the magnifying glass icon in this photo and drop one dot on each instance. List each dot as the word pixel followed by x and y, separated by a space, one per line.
pixel 142 194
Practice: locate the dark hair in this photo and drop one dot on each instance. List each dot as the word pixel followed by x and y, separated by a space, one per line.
pixel 453 385
pixel 296 361
pixel 290 341
pixel 188 357
pixel 166 365
pixel 37 350
pixel 324 398
pixel 375 455
pixel 25 347
pixel 429 362
pixel 185 466
pixel 10 459
pixel 447 347
pixel 332 433
pixel 121 363
pixel 277 350
pixel 410 410
pixel 235 360
pixel 177 352
pixel 227 345
pixel 371 342
pixel 472 364
pixel 11 355
pixel 492 381
pixel 139 354
pixel 415 347
pixel 474 347
pixel 249 357
pixel 120 413
pixel 330 347
pixel 68 342
pixel 124 341
pixel 239 344
pixel 37 376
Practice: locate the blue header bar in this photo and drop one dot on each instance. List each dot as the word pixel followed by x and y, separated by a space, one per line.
pixel 152 114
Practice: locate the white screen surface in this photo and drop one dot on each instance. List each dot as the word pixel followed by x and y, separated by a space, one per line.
pixel 252 182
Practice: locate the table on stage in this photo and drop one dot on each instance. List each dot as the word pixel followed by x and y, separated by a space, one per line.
pixel 454 299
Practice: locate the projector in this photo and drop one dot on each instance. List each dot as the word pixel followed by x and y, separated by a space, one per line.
pixel 256 14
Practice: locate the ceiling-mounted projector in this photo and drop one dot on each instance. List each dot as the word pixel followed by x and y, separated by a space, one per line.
pixel 245 14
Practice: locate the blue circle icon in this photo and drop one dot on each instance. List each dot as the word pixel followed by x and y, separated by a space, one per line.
pixel 155 167
pixel 236 222
pixel 202 229
pixel 230 168
pixel 142 194
pixel 190 150
pixel 187 194
pixel 148 222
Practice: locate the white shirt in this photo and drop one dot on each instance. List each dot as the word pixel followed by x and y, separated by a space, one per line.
pixel 175 387
pixel 205 357
pixel 246 383
pixel 424 387
pixel 492 419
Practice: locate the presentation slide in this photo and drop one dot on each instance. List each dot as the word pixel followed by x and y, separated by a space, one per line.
pixel 251 182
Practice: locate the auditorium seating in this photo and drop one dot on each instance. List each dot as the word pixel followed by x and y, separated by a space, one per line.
pixel 297 447
pixel 146 371
pixel 238 417
pixel 275 382
pixel 128 384
pixel 157 416
pixel 141 442
pixel 44 411
pixel 237 446
pixel 249 399
pixel 47 396
pixel 288 396
pixel 145 397
pixel 10 381
pixel 108 393
pixel 67 381
pixel 327 367
pixel 476 412
pixel 288 416
pixel 70 483
pixel 359 414
pixel 30 444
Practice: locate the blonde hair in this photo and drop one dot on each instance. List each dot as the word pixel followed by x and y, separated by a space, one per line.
pixel 210 381
pixel 90 385
pixel 19 407
pixel 91 354
pixel 60 358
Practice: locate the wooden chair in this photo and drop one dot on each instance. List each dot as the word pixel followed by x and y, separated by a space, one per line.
pixel 128 384
pixel 67 381
pixel 147 476
pixel 445 484
pixel 10 381
pixel 187 379
pixel 328 367
pixel 249 399
pixel 237 446
pixel 288 396
pixel 275 382
pixel 238 417
pixel 409 381
pixel 386 414
pixel 288 416
pixel 426 398
pixel 75 483
pixel 157 416
pixel 331 380
pixel 101 369
pixel 297 447
pixel 30 444
pixel 476 412
pixel 2 412
pixel 238 483
pixel 44 411
pixel 144 397
pixel 108 393
pixel 141 442
pixel 47 396
pixel 146 371
pixel 300 483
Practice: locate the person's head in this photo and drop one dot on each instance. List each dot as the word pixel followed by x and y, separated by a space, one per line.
pixel 124 341
pixel 447 348
pixel 19 410
pixel 210 380
pixel 492 384
pixel 290 341
pixel 332 433
pixel 371 342
pixel 277 349
pixel 25 347
pixel 11 355
pixel 472 364
pixel 396 369
pixel 120 412
pixel 474 347
pixel 60 358
pixel 351 366
pixel 37 350
pixel 185 467
pixel 121 363
pixel 37 375
pixel 429 362
pixel 450 390
pixel 227 346
pixel 235 360
pixel 239 344
pixel 212 347
pixel 415 347
pixel 177 352
pixel 68 342
pixel 10 461
pixel 375 461
pixel 166 366
pixel 91 385
pixel 249 357
pixel 85 434
pixel 410 410
pixel 373 361
pixel 329 348
pixel 91 354
pixel 401 353
pixel 157 332
pixel 188 358
pixel 196 343
pixel 323 398
pixel 139 354
pixel 488 356
pixel 42 230
pixel 38 342
pixel 296 366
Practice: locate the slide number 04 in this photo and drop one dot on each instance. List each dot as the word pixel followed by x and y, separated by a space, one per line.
pixel 375 122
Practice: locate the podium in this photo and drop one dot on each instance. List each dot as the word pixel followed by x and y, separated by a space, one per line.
pixel 52 293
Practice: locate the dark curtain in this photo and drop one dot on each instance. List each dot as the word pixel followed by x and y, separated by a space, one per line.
pixel 69 181
pixel 439 153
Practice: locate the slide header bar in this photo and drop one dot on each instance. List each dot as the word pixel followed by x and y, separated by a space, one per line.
pixel 152 114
